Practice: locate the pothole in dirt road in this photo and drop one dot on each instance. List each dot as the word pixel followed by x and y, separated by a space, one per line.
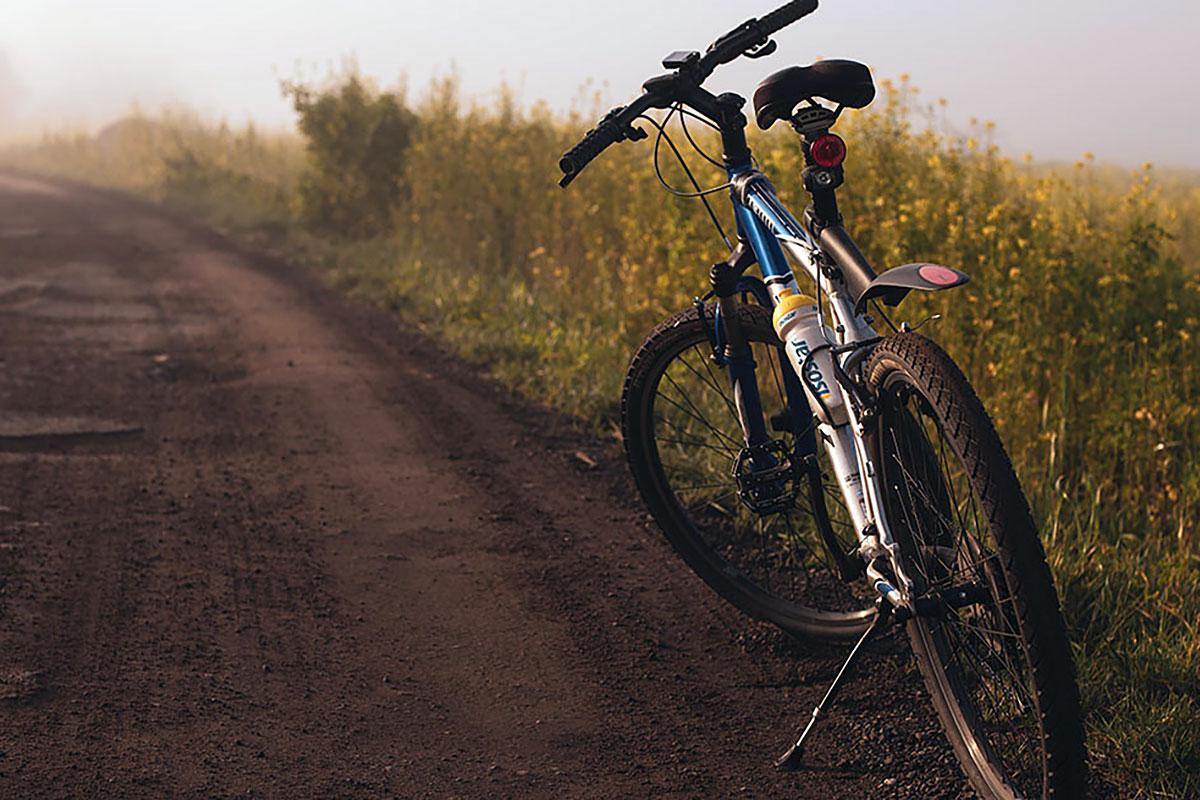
pixel 77 291
pixel 19 232
pixel 14 184
pixel 43 433
pixel 17 291
pixel 21 685
pixel 199 367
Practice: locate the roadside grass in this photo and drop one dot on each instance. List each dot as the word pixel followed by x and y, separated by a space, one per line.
pixel 1079 328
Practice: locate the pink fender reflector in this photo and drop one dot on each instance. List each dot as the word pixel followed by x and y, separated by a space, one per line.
pixel 939 275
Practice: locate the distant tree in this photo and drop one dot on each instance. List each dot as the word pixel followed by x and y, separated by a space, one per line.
pixel 357 139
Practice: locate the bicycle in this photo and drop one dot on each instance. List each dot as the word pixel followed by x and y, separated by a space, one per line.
pixel 735 412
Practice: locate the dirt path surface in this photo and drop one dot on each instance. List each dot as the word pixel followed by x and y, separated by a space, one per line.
pixel 256 541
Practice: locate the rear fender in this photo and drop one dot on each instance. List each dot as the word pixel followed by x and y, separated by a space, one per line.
pixel 894 285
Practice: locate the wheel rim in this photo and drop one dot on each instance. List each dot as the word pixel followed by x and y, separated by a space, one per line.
pixel 696 438
pixel 978 655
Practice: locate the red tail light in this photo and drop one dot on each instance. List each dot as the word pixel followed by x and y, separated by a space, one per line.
pixel 828 150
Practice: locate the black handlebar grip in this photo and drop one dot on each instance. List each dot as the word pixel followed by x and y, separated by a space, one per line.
pixel 593 143
pixel 578 156
pixel 781 17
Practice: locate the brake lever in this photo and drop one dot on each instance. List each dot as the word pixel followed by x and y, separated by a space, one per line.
pixel 764 49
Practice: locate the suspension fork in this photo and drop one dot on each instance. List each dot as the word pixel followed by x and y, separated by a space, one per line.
pixel 734 349
pixel 797 416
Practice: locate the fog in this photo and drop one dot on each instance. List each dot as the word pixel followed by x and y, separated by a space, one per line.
pixel 1059 79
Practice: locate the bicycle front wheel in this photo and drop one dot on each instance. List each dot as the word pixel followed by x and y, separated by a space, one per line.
pixel 684 440
pixel 996 659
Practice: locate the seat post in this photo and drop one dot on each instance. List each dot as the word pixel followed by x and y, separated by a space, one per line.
pixel 822 187
pixel 820 182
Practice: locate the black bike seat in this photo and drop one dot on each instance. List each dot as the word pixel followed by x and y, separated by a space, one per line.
pixel 845 82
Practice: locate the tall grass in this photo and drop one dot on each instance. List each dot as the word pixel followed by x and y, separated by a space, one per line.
pixel 1079 327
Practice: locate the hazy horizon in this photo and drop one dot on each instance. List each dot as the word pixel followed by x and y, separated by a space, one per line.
pixel 1058 79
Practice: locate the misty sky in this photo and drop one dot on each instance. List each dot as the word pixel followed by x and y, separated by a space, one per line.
pixel 1059 78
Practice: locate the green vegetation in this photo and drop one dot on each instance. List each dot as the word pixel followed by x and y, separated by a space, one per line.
pixel 357 140
pixel 1079 328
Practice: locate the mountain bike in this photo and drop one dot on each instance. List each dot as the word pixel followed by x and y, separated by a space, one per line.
pixel 826 477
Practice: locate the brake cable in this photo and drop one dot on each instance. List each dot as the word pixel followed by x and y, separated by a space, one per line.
pixel 664 136
pixel 702 194
pixel 684 113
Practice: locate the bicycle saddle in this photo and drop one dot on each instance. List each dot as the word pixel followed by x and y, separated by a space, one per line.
pixel 847 83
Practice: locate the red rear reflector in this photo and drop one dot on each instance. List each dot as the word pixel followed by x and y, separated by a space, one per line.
pixel 828 150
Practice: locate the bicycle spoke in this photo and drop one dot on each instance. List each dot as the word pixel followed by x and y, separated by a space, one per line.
pixel 695 443
pixel 708 379
pixel 981 644
pixel 697 415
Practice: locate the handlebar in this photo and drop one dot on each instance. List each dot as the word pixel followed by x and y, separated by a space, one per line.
pixel 753 33
pixel 616 126
pixel 750 38
pixel 783 16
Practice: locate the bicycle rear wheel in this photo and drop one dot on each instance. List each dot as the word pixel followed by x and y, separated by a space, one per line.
pixel 996 661
pixel 684 443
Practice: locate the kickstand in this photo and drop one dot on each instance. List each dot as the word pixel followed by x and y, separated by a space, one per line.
pixel 791 759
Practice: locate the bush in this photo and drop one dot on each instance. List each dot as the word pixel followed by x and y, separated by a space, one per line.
pixel 356 138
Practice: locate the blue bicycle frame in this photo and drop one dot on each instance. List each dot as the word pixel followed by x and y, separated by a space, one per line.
pixel 772 233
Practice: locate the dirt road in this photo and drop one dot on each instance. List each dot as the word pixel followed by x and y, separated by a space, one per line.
pixel 256 541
